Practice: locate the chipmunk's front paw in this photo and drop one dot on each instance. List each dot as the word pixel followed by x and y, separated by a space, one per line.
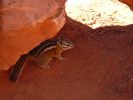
pixel 60 58
pixel 46 67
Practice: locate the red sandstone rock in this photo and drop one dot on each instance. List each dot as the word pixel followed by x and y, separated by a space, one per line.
pixel 128 2
pixel 26 23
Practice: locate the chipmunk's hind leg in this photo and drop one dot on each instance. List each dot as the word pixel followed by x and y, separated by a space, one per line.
pixel 44 62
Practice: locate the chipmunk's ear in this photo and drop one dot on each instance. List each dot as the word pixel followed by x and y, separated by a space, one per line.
pixel 61 37
pixel 58 45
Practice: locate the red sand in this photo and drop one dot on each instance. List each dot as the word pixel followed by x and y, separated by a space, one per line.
pixel 100 67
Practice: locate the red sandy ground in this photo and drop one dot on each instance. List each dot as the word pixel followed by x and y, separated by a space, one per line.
pixel 100 67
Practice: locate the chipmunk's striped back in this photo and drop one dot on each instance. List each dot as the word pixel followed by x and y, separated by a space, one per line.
pixel 43 46
pixel 50 44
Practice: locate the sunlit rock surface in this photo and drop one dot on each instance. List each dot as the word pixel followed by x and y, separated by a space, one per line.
pixel 99 13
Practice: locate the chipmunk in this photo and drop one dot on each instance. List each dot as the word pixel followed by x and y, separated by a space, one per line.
pixel 42 55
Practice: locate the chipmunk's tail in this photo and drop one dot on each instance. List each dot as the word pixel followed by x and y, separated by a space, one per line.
pixel 18 68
